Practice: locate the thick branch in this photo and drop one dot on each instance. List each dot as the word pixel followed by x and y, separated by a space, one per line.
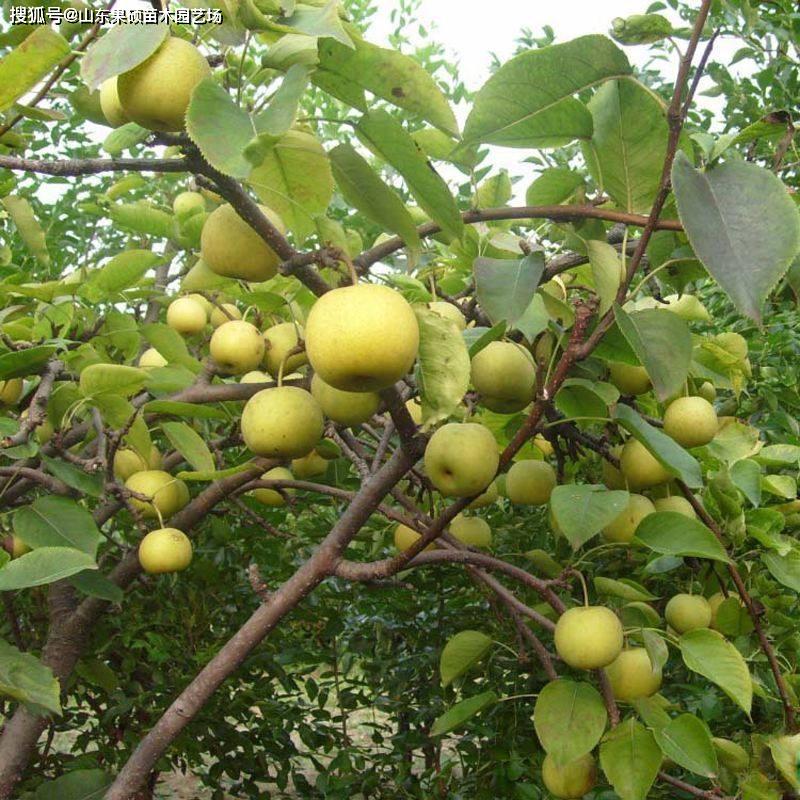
pixel 93 166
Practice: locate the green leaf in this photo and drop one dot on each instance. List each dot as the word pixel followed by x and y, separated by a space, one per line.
pixel 626 153
pixel 121 272
pixel 364 190
pixel 117 379
pixel 779 455
pixel 441 147
pixel 673 534
pixel 124 137
pixel 784 486
pixel 220 128
pixel 477 338
pixel 784 568
pixel 711 655
pixel 553 186
pixel 529 101
pixel 387 138
pixel 579 397
pixel 19 363
pixel 43 565
pixel 95 584
pixel 687 741
pixel 295 179
pixel 74 476
pixel 345 73
pixel 641 29
pixel 190 445
pixel 582 510
pixel 53 521
pixel 119 50
pixel 495 191
pixel 668 452
pixel 322 22
pixel 663 343
pixel 461 652
pixel 28 228
pixel 742 225
pixel 746 476
pixel 79 784
pixel 29 62
pixel 25 678
pixel 171 345
pixel 461 712
pixel 143 217
pixel 624 589
pixel 176 409
pixel 631 759
pixel 443 366
pixel 784 751
pixel 504 287
pixel 279 115
pixel 606 271
pixel 569 718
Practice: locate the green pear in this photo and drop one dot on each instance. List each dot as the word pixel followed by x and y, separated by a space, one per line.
pixel 187 204
pixel 629 379
pixel 165 550
pixel 226 312
pixel 237 347
pixel 405 537
pixel 10 391
pixel 362 338
pixel 279 341
pixel 503 373
pixel 282 422
pixel 272 497
pixel 152 358
pixel 309 466
pixel 588 637
pixel 640 468
pixel 488 498
pixel 186 316
pixel 530 483
pixel 449 311
pixel 632 675
pixel 167 494
pixel 472 531
pixel 109 103
pixel 687 612
pixel 461 459
pixel 569 781
pixel 623 528
pixel 678 505
pixel 346 408
pixel 691 421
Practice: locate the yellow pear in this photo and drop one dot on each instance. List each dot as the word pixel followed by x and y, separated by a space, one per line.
pixel 279 341
pixel 679 505
pixel 569 781
pixel 686 612
pixel 629 379
pixel 449 311
pixel 362 338
pixel 187 204
pixel 156 93
pixel 165 550
pixel 224 313
pixel 230 247
pixel 109 103
pixel 282 422
pixel 272 497
pixel 255 376
pixel 691 421
pixel 167 495
pixel 530 483
pixel 152 358
pixel 472 531
pixel 17 547
pixel 127 461
pixel 414 408
pixel 588 637
pixel 640 468
pixel 186 316
pixel 707 391
pixel 632 675
pixel 612 477
pixel 10 391
pixel 461 459
pixel 309 466
pixel 405 537
pixel 543 445
pixel 504 374
pixel 623 528
pixel 346 408
pixel 237 347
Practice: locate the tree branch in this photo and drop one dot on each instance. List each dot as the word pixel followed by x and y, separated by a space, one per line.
pixel 92 166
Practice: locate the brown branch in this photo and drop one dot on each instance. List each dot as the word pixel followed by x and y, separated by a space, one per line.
pixel 37 409
pixel 92 166
pixel 709 794
pixel 608 697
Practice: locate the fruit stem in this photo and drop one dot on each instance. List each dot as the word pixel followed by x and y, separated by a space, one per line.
pixel 584 587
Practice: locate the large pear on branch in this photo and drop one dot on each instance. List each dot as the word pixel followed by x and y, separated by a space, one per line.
pixel 472 531
pixel 167 495
pixel 629 379
pixel 186 316
pixel 588 637
pixel 128 461
pixel 503 373
pixel 156 93
pixel 346 408
pixel 623 528
pixel 272 497
pixel 640 468
pixel 237 347
pixel 230 247
pixel 530 483
pixel 10 391
pixel 569 781
pixel 461 459
pixel 687 612
pixel 282 422
pixel 362 338
pixel 691 421
pixel 165 550
pixel 632 675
